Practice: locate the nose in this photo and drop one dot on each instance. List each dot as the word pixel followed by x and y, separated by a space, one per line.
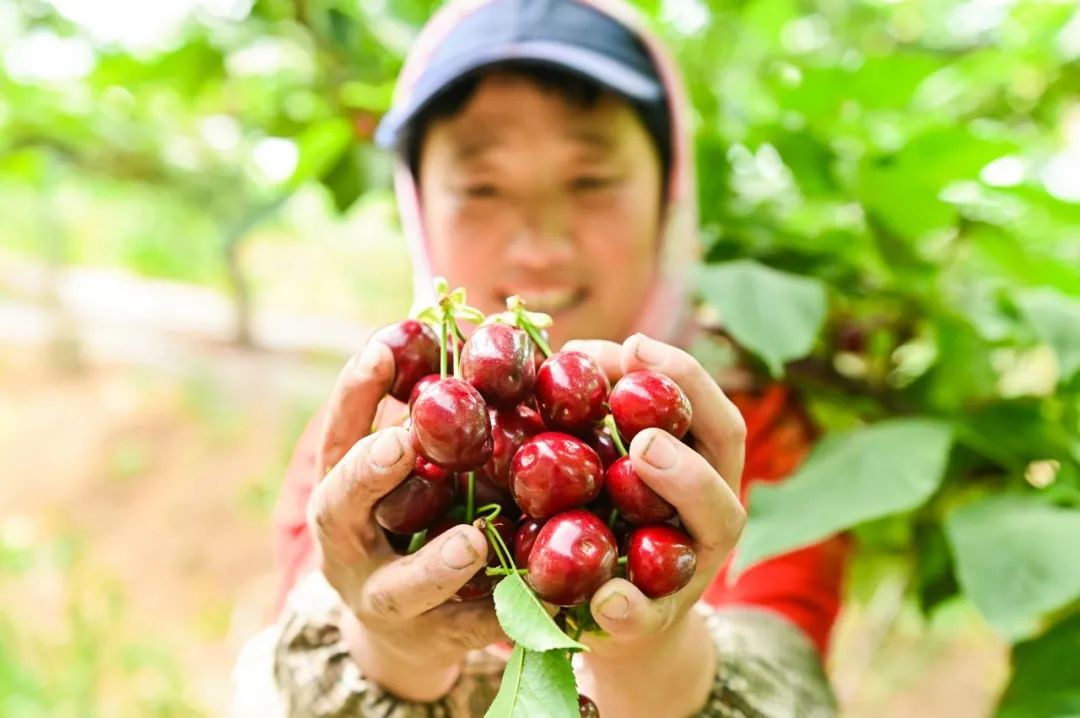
pixel 543 238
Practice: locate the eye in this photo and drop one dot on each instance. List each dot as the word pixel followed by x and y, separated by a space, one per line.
pixel 587 183
pixel 482 190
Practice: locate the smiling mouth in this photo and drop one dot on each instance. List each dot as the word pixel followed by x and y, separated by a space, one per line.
pixel 549 301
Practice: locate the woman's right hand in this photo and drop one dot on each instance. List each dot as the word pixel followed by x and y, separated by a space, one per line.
pixel 405 635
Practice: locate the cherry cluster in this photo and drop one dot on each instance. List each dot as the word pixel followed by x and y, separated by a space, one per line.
pixel 530 446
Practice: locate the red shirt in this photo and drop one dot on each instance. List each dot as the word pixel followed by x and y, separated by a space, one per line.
pixel 803 586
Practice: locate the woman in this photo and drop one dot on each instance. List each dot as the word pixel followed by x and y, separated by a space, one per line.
pixel 543 152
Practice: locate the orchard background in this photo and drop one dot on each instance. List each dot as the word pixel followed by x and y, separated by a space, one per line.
pixel 196 231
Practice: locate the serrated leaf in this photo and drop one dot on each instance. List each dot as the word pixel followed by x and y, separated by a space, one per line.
pixel 536 684
pixel 525 620
pixel 1046 675
pixel 1056 321
pixel 1016 558
pixel 850 478
pixel 775 315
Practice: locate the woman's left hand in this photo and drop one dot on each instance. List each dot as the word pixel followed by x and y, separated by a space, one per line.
pixel 658 658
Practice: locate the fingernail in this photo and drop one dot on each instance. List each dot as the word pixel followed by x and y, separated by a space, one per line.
pixel 648 350
pixel 660 452
pixel 615 607
pixel 458 552
pixel 387 450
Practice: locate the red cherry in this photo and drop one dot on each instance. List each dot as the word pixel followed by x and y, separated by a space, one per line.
pixel 574 554
pixel 509 430
pixel 450 425
pixel 633 497
pixel 553 472
pixel 527 531
pixel 571 391
pixel 586 708
pixel 600 440
pixel 498 361
pixel 416 354
pixel 660 559
pixel 417 502
pixel 644 399
pixel 420 386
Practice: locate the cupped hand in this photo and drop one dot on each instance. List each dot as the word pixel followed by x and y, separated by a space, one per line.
pixel 663 640
pixel 401 629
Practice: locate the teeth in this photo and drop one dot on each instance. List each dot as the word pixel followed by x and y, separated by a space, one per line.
pixel 549 300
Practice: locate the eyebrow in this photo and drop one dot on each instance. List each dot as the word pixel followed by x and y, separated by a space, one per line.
pixel 592 138
pixel 475 146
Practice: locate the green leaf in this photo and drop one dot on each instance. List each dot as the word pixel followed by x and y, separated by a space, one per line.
pixel 1056 321
pixel 320 146
pixel 1016 558
pixel 773 314
pixel 1046 675
pixel 525 620
pixel 851 477
pixel 536 684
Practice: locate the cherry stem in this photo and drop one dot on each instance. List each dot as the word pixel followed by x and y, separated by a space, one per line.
pixel 470 497
pixel 613 518
pixel 454 346
pixel 496 543
pixel 495 510
pixel 442 349
pixel 506 557
pixel 418 539
pixel 622 560
pixel 609 421
pixel 534 335
pixel 506 571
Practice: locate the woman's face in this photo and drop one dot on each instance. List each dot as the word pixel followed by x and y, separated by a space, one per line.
pixel 524 192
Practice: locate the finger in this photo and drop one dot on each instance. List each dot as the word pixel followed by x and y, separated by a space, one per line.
pixel 627 614
pixel 607 354
pixel 717 424
pixel 361 385
pixel 707 505
pixel 339 510
pixel 408 586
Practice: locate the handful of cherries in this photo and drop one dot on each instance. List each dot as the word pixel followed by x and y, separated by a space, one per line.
pixel 532 444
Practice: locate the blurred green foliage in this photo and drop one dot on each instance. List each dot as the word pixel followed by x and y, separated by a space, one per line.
pixel 896 185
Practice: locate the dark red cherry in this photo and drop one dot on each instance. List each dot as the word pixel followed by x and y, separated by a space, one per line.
pixel 586 708
pixel 600 440
pixel 417 502
pixel 450 425
pixel 553 472
pixel 419 387
pixel 527 531
pixel 498 360
pixel 509 430
pixel 416 354
pixel 571 393
pixel 634 499
pixel 644 399
pixel 573 555
pixel 660 559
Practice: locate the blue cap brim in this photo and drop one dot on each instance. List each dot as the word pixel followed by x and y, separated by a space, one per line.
pixel 604 70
